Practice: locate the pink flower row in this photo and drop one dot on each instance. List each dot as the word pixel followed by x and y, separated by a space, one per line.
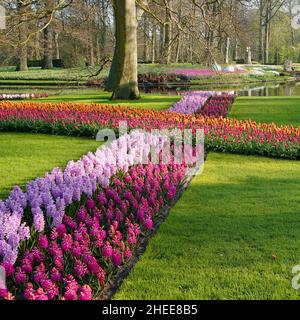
pixel 203 72
pixel 47 198
pixel 74 260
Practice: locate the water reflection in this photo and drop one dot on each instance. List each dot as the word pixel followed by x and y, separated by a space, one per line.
pixel 283 89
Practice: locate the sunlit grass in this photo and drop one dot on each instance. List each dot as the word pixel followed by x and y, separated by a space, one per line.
pixel 148 101
pixel 26 156
pixel 235 234
pixel 280 110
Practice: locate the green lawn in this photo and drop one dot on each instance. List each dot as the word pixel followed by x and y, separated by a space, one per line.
pixel 81 73
pixel 235 234
pixel 148 101
pixel 26 156
pixel 34 74
pixel 281 110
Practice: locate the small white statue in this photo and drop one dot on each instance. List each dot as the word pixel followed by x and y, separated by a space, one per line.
pixel 229 69
pixel 216 67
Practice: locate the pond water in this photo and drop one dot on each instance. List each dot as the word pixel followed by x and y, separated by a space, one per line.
pixel 282 89
pixel 263 90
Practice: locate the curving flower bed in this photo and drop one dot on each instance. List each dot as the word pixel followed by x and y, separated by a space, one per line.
pixel 196 73
pixel 45 200
pixel 75 260
pixel 221 134
pixel 70 231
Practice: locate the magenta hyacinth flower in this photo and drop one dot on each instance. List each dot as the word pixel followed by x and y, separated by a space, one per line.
pixel 90 204
pixel 148 224
pixel 43 242
pixel 85 293
pixel 107 250
pixel 116 258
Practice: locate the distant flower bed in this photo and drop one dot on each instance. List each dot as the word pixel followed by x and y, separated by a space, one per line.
pixel 221 134
pixel 194 73
pixel 70 231
pixel 161 79
pixel 22 96
pixel 208 103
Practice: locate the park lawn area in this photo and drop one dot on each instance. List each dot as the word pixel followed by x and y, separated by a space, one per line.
pixel 147 101
pixel 234 234
pixel 26 156
pixel 280 110
pixel 56 74
pixel 82 73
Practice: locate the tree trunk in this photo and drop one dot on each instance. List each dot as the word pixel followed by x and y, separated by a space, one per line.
pixel 91 49
pixel 123 79
pixel 167 36
pixel 146 45
pixel 103 24
pixel 153 43
pixel 37 53
pixel 57 52
pixel 161 41
pixel 249 55
pixel 48 37
pixel 167 53
pixel 178 49
pixel 23 51
pixel 290 5
pixel 98 51
pixel 227 50
pixel 267 42
pixel 261 39
pixel 277 57
pixel 236 50
pixel 48 48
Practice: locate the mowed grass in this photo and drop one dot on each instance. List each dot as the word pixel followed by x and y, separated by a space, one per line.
pixel 81 73
pixel 57 74
pixel 26 156
pixel 280 110
pixel 234 234
pixel 147 101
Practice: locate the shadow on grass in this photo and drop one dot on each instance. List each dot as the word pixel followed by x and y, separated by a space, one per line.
pixel 105 99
